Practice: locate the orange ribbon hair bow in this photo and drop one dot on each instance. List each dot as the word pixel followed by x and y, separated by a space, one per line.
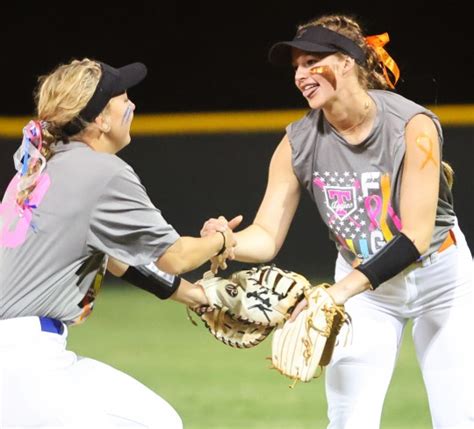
pixel 377 43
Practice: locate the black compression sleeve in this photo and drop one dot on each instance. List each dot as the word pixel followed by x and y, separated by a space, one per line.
pixel 150 278
pixel 398 254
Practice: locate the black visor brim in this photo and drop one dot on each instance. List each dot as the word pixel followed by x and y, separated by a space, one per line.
pixel 129 76
pixel 280 53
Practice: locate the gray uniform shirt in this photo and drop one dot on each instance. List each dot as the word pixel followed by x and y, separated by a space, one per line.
pixel 53 255
pixel 357 187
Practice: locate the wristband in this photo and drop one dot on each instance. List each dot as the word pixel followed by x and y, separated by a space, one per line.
pixel 395 256
pixel 223 248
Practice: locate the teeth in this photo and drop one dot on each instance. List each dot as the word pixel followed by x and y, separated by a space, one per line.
pixel 310 86
pixel 308 89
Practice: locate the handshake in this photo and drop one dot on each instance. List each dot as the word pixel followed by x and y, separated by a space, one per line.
pixel 226 228
pixel 248 306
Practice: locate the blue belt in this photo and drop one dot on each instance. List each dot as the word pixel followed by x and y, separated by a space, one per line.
pixel 51 325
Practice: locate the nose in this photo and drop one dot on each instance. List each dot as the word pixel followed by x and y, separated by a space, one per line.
pixel 301 73
pixel 132 106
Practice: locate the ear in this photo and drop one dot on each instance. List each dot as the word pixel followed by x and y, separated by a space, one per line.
pixel 348 64
pixel 102 123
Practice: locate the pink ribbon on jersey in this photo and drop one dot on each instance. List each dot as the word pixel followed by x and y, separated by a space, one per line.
pixel 373 211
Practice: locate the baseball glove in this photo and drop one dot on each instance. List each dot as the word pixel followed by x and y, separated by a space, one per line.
pixel 302 346
pixel 244 309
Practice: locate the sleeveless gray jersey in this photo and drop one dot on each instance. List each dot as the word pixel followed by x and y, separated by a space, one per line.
pixel 53 255
pixel 357 187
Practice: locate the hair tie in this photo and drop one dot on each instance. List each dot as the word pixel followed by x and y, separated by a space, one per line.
pixel 377 43
pixel 33 132
pixel 44 124
pixel 28 154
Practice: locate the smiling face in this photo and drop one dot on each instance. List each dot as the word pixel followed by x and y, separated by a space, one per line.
pixel 316 75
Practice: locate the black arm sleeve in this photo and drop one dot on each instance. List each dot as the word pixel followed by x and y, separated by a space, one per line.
pixel 150 278
pixel 398 254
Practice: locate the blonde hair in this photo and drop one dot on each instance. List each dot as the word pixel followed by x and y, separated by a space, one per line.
pixel 59 97
pixel 62 94
pixel 370 74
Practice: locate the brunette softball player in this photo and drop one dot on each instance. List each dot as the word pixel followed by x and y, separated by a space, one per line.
pixel 371 161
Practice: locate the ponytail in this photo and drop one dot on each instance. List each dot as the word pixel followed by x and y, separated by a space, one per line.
pixel 448 173
pixel 30 160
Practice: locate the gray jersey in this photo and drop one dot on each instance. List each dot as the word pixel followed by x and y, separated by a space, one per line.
pixel 357 187
pixel 53 253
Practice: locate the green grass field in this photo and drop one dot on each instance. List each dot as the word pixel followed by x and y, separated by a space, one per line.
pixel 213 386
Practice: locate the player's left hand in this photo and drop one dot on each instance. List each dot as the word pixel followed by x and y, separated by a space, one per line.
pixel 332 291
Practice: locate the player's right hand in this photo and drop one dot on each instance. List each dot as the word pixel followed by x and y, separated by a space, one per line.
pixel 221 224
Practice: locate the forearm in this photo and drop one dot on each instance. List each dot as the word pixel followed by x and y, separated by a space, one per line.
pixel 189 253
pixel 187 293
pixel 190 294
pixel 354 283
pixel 255 244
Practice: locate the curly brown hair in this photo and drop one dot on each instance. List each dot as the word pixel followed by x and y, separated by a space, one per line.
pixel 370 74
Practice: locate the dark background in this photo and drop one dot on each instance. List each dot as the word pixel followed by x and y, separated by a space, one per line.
pixel 212 55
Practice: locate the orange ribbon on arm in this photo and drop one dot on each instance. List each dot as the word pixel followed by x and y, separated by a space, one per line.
pixel 377 43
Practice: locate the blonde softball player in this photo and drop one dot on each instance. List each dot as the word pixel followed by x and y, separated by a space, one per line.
pixel 72 209
pixel 371 161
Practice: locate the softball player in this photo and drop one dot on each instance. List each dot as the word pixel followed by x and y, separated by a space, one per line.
pixel 371 162
pixel 72 208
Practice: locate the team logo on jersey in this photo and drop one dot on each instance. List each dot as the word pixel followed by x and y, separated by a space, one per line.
pixel 357 209
pixel 341 200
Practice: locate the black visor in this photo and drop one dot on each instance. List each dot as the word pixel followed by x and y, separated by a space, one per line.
pixel 113 82
pixel 316 39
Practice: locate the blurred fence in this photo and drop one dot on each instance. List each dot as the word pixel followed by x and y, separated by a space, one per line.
pixel 191 177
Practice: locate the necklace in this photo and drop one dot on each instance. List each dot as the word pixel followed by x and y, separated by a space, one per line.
pixel 367 110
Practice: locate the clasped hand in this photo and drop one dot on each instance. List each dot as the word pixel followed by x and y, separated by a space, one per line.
pixel 221 224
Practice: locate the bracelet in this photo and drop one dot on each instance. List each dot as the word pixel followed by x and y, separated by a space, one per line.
pixel 223 248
